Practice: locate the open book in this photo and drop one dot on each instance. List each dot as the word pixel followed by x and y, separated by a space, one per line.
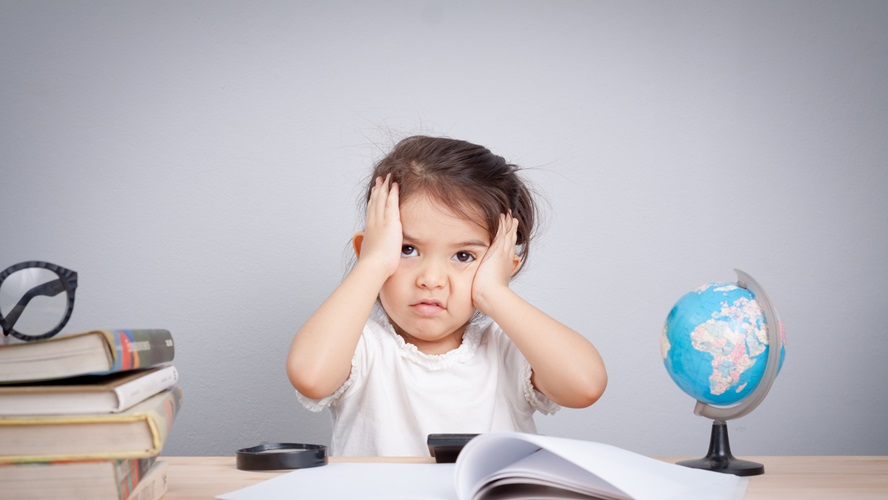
pixel 509 465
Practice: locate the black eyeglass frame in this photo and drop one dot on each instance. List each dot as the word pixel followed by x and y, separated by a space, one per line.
pixel 67 283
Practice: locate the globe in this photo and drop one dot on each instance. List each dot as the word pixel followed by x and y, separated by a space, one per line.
pixel 716 347
pixel 715 343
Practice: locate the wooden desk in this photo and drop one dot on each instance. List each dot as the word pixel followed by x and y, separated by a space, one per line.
pixel 785 477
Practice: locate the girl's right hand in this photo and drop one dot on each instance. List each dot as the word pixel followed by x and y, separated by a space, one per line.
pixel 383 237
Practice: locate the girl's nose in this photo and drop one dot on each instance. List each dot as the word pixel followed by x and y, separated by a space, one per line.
pixel 432 275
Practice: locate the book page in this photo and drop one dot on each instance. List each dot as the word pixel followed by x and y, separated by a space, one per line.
pixel 544 469
pixel 638 476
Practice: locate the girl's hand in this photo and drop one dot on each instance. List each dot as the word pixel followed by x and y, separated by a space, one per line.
pixel 381 243
pixel 497 265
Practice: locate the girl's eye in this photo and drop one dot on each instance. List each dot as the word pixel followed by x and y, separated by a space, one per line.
pixel 408 251
pixel 464 257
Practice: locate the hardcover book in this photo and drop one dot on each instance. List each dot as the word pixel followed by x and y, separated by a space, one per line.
pixel 93 480
pixel 93 352
pixel 86 394
pixel 138 432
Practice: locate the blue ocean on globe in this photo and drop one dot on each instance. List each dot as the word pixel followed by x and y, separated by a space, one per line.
pixel 715 343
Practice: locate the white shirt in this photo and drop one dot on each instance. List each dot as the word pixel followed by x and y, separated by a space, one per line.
pixel 396 395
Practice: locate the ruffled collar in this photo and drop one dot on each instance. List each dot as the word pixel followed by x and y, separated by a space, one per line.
pixel 470 342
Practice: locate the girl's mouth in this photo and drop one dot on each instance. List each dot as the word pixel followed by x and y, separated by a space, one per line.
pixel 427 307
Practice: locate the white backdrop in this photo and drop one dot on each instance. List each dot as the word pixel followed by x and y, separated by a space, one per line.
pixel 199 164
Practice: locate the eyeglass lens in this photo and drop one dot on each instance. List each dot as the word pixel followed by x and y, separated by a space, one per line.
pixel 33 301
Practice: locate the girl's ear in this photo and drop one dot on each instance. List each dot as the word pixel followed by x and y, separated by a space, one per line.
pixel 516 262
pixel 357 240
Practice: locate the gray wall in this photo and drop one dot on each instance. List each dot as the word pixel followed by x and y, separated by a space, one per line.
pixel 198 163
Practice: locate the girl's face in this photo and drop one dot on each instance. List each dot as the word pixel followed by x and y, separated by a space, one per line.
pixel 429 297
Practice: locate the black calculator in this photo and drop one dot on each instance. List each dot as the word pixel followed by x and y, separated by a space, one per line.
pixel 446 447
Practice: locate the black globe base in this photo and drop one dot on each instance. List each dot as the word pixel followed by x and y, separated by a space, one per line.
pixel 719 457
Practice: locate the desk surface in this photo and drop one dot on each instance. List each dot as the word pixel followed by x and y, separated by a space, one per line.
pixel 785 477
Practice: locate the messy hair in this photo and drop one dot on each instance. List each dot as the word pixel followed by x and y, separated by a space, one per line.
pixel 464 177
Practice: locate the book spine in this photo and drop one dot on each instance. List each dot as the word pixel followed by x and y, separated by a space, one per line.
pixel 139 348
pixel 153 486
pixel 160 415
pixel 71 481
pixel 142 388
pixel 129 474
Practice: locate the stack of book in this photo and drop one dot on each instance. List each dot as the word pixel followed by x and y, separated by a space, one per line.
pixel 85 416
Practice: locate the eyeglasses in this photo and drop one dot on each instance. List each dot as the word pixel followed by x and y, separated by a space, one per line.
pixel 32 303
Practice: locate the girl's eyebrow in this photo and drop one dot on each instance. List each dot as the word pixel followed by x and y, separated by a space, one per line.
pixel 469 243
pixel 473 243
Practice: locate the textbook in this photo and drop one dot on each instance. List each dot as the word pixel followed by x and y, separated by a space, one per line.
pixel 93 352
pixel 86 394
pixel 111 479
pixel 511 465
pixel 138 432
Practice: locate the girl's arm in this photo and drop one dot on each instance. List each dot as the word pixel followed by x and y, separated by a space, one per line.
pixel 319 361
pixel 566 367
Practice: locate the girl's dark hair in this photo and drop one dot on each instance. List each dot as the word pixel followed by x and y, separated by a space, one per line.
pixel 467 178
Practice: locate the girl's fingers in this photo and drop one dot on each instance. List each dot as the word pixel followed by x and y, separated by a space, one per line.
pixel 391 201
pixel 506 237
pixel 500 230
pixel 383 197
pixel 373 204
pixel 508 231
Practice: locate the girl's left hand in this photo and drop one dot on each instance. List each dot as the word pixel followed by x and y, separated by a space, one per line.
pixel 497 265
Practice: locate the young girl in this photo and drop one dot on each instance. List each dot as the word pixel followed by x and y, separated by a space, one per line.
pixel 424 335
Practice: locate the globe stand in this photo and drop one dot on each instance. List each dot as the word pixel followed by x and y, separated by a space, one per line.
pixel 719 457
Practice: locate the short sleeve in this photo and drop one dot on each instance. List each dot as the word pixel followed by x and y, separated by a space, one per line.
pixel 539 401
pixel 516 366
pixel 316 405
